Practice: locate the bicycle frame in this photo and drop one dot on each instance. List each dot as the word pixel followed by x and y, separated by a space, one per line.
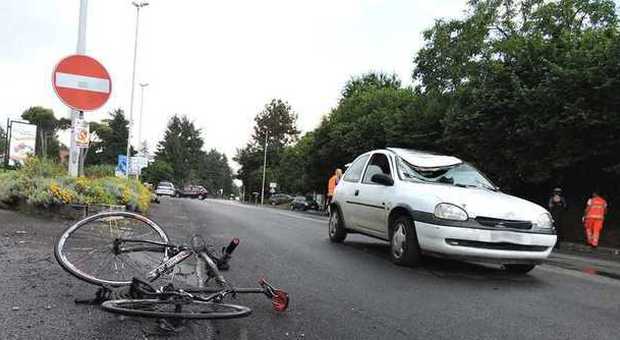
pixel 183 254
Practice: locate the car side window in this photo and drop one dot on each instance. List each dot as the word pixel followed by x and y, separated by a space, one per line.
pixel 379 164
pixel 354 172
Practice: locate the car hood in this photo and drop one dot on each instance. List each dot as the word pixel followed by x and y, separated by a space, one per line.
pixel 487 203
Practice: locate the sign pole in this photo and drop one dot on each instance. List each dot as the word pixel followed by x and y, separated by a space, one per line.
pixel 74 151
pixel 8 141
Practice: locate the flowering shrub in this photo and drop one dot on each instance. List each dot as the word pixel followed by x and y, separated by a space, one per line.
pixel 45 184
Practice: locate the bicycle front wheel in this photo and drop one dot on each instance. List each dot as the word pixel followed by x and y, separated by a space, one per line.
pixel 87 249
pixel 192 309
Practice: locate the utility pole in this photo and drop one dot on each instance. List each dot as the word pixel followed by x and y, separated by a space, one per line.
pixel 262 195
pixel 74 151
pixel 138 5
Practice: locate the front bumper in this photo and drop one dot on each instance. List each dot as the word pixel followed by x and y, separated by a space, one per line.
pixel 499 246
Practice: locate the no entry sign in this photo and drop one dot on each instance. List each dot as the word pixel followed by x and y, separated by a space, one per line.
pixel 82 83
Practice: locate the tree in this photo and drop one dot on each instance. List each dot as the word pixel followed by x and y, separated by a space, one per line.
pixel 277 121
pixel 47 128
pixel 215 172
pixel 156 172
pixel 2 142
pixel 182 149
pixel 109 139
pixel 369 82
pixel 532 84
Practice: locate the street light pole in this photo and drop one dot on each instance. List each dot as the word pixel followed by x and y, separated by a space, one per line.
pixel 138 6
pixel 262 195
pixel 74 151
pixel 142 86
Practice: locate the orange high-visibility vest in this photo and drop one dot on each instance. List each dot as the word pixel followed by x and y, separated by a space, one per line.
pixel 596 208
pixel 331 185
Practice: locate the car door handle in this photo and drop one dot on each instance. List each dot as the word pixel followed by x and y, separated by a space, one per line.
pixel 357 192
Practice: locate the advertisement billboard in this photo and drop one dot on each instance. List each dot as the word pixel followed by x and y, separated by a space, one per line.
pixel 22 142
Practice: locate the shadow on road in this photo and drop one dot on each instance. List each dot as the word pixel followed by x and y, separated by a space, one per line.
pixel 447 268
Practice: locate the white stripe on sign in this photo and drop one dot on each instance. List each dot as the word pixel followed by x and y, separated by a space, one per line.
pixel 78 82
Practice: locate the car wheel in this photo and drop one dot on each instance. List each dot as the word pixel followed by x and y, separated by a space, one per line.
pixel 200 197
pixel 177 195
pixel 337 233
pixel 404 247
pixel 519 268
pixel 292 207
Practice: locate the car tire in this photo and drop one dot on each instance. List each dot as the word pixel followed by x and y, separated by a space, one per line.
pixel 177 195
pixel 404 247
pixel 200 197
pixel 292 207
pixel 519 268
pixel 337 232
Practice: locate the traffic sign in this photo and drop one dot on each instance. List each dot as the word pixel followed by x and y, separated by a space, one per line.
pixel 81 83
pixel 82 136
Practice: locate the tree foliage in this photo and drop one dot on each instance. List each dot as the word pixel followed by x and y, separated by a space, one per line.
pixel 109 139
pixel 48 125
pixel 180 159
pixel 278 123
pixel 525 90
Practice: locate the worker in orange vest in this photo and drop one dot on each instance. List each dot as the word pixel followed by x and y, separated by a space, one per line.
pixel 593 218
pixel 331 187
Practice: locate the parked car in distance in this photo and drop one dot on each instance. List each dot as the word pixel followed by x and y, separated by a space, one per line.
pixel 427 204
pixel 304 203
pixel 277 199
pixel 165 189
pixel 192 191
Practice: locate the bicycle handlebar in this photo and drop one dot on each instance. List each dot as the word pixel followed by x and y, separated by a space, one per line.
pixel 231 246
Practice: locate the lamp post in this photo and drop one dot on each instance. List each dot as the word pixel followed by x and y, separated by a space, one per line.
pixel 138 5
pixel 142 86
pixel 262 194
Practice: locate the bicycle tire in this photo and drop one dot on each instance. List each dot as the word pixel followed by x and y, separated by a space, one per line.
pixel 61 253
pixel 194 309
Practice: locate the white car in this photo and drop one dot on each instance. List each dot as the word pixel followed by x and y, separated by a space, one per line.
pixel 427 204
pixel 165 189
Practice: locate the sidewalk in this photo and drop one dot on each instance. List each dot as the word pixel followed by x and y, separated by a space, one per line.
pixel 600 261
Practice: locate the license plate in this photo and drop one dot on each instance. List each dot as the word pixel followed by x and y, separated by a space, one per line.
pixel 506 237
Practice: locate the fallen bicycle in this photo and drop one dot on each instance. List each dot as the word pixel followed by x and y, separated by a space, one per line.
pixel 125 253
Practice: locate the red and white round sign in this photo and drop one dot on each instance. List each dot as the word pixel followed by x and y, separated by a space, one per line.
pixel 82 83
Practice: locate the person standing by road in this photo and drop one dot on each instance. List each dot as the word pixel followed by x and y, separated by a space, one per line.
pixel 593 218
pixel 557 205
pixel 331 187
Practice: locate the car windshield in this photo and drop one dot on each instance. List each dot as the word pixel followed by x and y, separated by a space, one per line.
pixel 461 175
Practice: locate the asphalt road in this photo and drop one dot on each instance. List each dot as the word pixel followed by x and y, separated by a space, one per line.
pixel 338 291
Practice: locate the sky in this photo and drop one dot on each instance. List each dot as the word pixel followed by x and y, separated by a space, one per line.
pixel 218 62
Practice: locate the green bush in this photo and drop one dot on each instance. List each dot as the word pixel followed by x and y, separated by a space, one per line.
pixel 45 184
pixel 97 171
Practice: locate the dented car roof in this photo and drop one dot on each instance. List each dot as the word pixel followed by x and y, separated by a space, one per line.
pixel 423 159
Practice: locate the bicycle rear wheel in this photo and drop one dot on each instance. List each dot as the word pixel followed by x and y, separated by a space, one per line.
pixel 86 249
pixel 192 309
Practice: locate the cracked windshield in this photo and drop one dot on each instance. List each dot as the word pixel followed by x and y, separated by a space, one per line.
pixel 350 169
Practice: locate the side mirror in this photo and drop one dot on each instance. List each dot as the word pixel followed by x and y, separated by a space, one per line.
pixel 382 179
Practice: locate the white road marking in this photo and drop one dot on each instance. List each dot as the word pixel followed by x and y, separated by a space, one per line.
pixel 79 82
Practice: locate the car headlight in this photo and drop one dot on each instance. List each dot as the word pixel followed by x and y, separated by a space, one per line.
pixel 449 211
pixel 544 221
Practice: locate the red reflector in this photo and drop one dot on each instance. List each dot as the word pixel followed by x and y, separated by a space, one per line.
pixel 280 300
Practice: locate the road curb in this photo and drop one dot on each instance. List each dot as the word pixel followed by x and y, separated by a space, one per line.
pixel 587 249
